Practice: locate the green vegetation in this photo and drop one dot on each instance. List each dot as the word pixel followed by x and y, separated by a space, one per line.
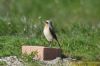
pixel 2 63
pixel 28 59
pixel 77 24
pixel 32 64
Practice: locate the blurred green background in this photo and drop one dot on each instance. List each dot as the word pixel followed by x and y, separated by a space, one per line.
pixel 77 24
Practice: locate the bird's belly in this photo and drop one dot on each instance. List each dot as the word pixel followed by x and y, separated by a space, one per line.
pixel 48 35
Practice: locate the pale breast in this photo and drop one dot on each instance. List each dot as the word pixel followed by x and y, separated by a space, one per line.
pixel 47 33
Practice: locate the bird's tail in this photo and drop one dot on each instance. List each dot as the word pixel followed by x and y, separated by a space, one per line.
pixel 62 55
pixel 59 44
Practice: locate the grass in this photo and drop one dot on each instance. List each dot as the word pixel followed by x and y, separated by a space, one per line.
pixel 32 64
pixel 2 63
pixel 77 24
pixel 28 59
pixel 79 41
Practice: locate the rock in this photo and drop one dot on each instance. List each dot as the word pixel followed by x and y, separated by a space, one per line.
pixel 12 61
pixel 57 62
pixel 42 53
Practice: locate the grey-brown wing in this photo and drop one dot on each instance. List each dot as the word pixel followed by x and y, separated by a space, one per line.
pixel 53 33
pixel 54 36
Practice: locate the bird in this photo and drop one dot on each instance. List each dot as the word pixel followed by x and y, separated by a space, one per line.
pixel 49 32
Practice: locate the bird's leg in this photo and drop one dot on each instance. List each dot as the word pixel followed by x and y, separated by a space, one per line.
pixel 59 44
pixel 49 43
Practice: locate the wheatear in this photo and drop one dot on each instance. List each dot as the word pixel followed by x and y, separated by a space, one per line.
pixel 49 32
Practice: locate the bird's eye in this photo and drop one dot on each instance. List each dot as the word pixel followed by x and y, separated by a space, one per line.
pixel 46 22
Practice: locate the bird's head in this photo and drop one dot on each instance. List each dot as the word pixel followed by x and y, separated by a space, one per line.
pixel 47 22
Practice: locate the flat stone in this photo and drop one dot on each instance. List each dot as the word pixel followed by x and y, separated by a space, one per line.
pixel 43 53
